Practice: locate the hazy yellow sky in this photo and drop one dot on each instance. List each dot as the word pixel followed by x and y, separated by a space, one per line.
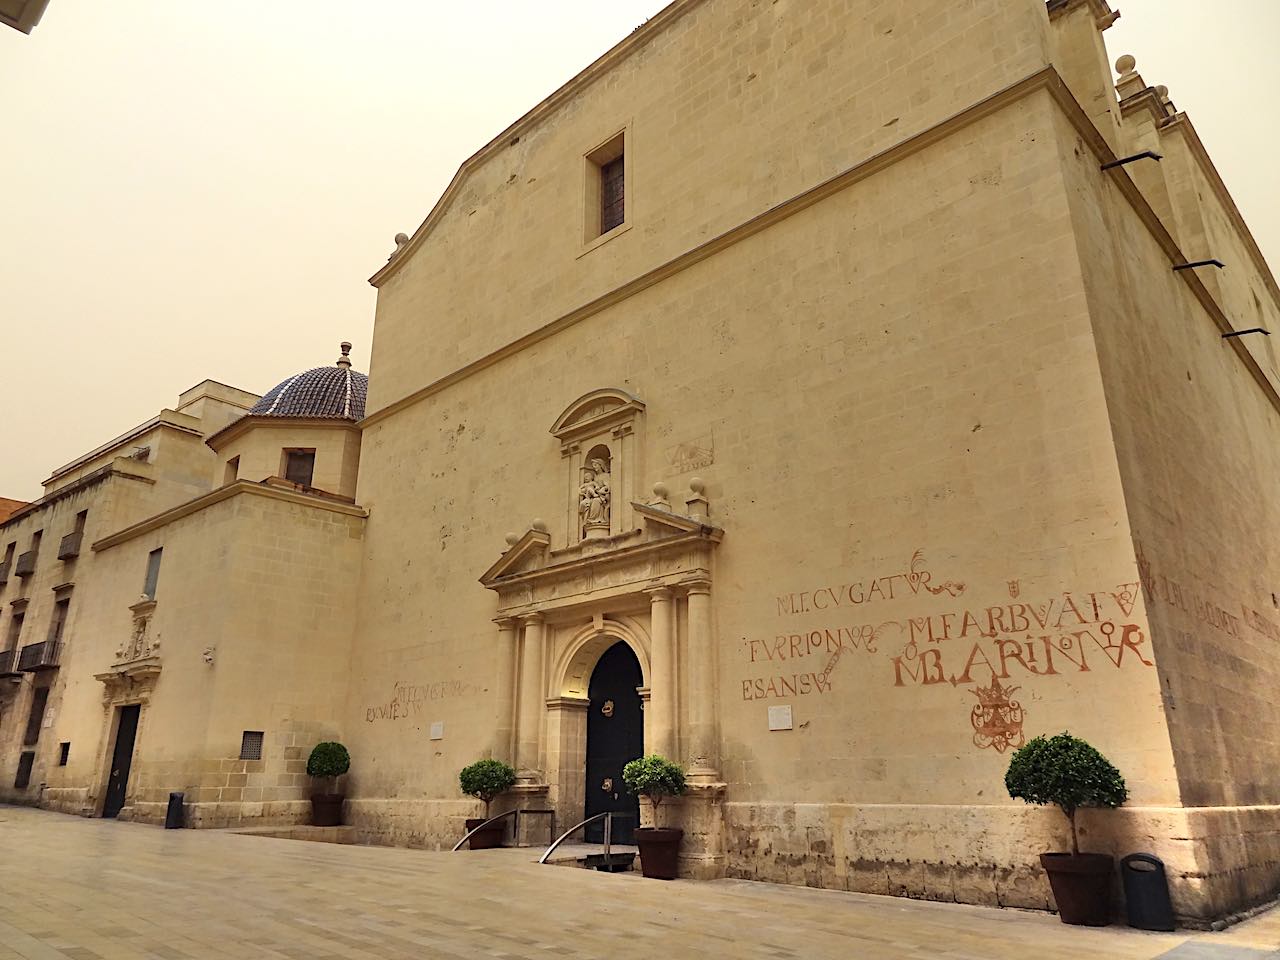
pixel 199 189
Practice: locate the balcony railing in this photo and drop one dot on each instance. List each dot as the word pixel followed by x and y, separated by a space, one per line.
pixel 8 668
pixel 40 656
pixel 70 545
pixel 4 571
pixel 26 564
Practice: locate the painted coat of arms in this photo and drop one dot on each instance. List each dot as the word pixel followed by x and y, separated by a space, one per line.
pixel 997 718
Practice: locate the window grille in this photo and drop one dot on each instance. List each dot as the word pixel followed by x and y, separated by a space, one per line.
pixel 251 745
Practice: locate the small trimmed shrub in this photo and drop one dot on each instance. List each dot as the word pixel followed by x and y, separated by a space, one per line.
pixel 1066 771
pixel 486 779
pixel 654 777
pixel 328 761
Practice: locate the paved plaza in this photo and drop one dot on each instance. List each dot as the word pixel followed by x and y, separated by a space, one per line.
pixel 88 889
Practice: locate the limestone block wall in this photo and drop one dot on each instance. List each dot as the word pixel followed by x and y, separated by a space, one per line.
pixel 924 502
pixel 261 447
pixel 251 629
pixel 1191 427
pixel 729 108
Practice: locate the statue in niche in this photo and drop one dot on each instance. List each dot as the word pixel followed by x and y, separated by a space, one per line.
pixel 594 496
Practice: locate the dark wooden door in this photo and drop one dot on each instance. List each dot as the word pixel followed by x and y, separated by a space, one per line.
pixel 615 735
pixel 121 757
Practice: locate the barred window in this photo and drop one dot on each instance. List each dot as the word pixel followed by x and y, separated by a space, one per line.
pixel 251 745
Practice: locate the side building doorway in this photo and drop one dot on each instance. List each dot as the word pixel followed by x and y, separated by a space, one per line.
pixel 121 758
pixel 615 736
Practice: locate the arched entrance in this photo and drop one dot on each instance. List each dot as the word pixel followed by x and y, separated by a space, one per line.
pixel 615 735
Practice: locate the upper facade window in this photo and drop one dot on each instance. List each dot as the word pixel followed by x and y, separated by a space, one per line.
pixel 300 466
pixel 153 573
pixel 607 178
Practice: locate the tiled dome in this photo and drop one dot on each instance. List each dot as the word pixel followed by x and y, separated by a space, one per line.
pixel 336 392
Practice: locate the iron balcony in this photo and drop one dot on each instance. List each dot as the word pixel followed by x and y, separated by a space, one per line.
pixel 70 545
pixel 26 564
pixel 40 656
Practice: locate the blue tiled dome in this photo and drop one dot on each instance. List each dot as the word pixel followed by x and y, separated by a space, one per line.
pixel 336 392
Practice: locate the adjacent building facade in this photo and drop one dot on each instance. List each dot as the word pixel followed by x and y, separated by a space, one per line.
pixel 831 396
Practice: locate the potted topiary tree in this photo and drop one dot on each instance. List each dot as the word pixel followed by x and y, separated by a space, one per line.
pixel 328 761
pixel 1067 771
pixel 656 777
pixel 484 780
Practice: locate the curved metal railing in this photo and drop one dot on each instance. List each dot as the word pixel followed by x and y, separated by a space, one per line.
pixel 491 820
pixel 607 817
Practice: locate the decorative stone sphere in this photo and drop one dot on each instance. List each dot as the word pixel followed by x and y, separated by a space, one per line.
pixel 401 239
pixel 660 490
pixel 540 525
pixel 698 485
pixel 513 539
pixel 1126 64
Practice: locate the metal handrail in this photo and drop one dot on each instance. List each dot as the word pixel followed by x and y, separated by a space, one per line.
pixel 470 833
pixel 608 816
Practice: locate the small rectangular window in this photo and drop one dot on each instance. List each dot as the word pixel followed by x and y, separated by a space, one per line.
pixel 251 745
pixel 39 698
pixel 606 191
pixel 35 541
pixel 64 753
pixel 60 611
pixel 81 519
pixel 8 552
pixel 23 778
pixel 232 472
pixel 15 629
pixel 153 573
pixel 299 466
pixel 612 194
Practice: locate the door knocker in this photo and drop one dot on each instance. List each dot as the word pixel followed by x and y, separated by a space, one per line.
pixel 607 709
pixel 607 785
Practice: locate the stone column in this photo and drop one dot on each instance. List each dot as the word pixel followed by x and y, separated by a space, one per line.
pixel 661 709
pixel 503 747
pixel 532 700
pixel 702 744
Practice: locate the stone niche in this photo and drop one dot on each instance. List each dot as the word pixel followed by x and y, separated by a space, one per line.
pixel 601 438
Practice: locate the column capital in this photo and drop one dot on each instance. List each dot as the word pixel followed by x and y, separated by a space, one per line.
pixel 506 623
pixel 698 586
pixel 658 594
pixel 532 619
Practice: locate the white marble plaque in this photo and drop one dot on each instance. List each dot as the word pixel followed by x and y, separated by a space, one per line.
pixel 780 718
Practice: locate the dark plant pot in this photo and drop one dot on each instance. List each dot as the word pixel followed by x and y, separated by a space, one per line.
pixel 659 851
pixel 488 838
pixel 326 809
pixel 1081 885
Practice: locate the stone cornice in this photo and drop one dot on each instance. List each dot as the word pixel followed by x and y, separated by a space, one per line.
pixel 239 488
pixel 246 423
pixel 76 486
pixel 1047 80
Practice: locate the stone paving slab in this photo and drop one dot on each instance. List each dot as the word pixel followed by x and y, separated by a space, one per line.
pixel 102 890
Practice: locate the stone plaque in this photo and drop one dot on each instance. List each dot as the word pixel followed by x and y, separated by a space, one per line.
pixel 780 718
pixel 437 730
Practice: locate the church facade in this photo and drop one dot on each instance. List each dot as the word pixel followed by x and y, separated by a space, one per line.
pixel 829 396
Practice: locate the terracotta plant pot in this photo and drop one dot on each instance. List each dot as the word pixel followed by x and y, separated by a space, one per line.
pixel 487 838
pixel 659 851
pixel 326 809
pixel 1081 885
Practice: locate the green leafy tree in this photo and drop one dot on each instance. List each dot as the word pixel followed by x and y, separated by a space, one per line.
pixel 328 761
pixel 654 777
pixel 486 779
pixel 1066 771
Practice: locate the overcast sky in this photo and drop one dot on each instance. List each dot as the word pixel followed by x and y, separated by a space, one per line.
pixel 194 190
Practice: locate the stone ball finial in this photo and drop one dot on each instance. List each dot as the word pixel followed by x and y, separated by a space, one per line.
pixel 1163 93
pixel 540 525
pixel 401 239
pixel 660 490
pixel 1126 64
pixel 512 539
pixel 698 486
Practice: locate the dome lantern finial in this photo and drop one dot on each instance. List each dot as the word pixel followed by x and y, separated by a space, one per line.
pixel 345 359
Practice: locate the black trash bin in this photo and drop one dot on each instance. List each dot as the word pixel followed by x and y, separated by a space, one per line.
pixel 1146 892
pixel 173 819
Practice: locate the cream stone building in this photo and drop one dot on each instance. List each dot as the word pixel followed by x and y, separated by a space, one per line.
pixel 829 395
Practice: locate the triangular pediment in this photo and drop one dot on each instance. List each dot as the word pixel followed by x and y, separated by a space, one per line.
pixel 665 521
